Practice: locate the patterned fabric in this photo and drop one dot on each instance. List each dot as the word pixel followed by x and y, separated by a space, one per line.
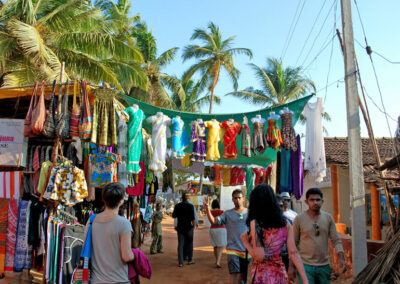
pixel 160 133
pixel 23 251
pixel 271 270
pixel 214 136
pixel 104 168
pixel 4 204
pixel 231 131
pixel 234 175
pixel 274 137
pixel 246 140
pixel 288 133
pixel 11 234
pixel 104 129
pixel 217 171
pixel 69 186
pixel 135 139
pixel 180 139
pixel 122 151
pixel 258 175
pixel 241 176
pixel 75 114
pixel 10 184
pixel 258 139
pixel 198 138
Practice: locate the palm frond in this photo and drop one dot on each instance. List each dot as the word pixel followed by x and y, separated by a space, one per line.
pixel 166 57
pixel 239 51
pixel 265 80
pixel 199 66
pixel 253 96
pixel 195 51
pixel 175 85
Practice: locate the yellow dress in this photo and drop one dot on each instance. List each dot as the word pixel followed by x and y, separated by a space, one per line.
pixel 226 170
pixel 214 136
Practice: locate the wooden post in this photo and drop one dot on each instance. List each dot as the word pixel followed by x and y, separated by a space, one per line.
pixel 376 213
pixel 358 224
pixel 335 193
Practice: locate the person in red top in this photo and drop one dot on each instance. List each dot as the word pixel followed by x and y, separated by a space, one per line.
pixel 217 234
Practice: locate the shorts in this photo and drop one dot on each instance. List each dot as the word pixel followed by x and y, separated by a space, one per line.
pixel 237 264
pixel 317 274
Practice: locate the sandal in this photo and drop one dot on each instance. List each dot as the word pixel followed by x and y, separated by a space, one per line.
pixel 191 262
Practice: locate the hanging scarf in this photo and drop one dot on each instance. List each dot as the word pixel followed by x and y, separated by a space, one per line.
pixel 23 252
pixel 11 234
pixel 4 203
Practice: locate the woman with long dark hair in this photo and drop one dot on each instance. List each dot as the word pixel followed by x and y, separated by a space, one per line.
pixel 269 231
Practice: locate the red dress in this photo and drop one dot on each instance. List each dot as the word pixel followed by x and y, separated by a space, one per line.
pixel 217 170
pixel 231 131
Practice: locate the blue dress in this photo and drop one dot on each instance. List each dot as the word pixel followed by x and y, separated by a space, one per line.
pixel 180 138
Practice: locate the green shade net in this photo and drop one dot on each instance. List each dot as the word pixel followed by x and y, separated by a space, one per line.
pixel 262 160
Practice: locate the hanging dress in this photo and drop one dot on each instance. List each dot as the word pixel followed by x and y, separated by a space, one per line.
pixel 246 140
pixel 288 133
pixel 160 134
pixel 198 138
pixel 135 139
pixel 231 131
pixel 274 137
pixel 180 139
pixel 214 137
pixel 258 139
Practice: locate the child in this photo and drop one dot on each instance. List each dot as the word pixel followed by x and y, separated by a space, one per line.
pixel 156 231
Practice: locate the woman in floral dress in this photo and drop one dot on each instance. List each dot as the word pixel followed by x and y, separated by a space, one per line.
pixel 269 231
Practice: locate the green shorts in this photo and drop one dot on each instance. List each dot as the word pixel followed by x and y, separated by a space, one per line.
pixel 317 274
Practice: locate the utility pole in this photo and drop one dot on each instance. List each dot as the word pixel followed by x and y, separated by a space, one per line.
pixel 358 221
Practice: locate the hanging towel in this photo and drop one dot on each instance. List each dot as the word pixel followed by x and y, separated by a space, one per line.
pixel 11 234
pixel 23 252
pixel 10 184
pixel 4 203
pixel 296 161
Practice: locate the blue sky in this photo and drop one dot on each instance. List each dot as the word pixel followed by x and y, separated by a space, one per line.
pixel 263 26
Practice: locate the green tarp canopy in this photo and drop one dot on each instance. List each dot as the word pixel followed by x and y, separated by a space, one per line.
pixel 262 160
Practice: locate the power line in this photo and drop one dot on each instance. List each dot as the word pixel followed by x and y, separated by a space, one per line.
pixel 291 26
pixel 319 52
pixel 368 49
pixel 376 105
pixel 330 57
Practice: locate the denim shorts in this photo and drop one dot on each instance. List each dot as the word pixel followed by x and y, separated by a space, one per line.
pixel 237 264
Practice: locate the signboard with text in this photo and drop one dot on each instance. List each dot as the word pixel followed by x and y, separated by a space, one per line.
pixel 11 142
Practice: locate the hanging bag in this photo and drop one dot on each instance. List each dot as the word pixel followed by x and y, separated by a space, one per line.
pixel 28 119
pixel 62 129
pixel 48 127
pixel 85 126
pixel 39 113
pixel 75 116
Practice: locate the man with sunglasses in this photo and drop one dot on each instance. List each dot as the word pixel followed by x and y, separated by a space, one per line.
pixel 312 229
pixel 235 223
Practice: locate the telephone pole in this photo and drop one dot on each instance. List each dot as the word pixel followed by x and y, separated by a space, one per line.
pixel 358 221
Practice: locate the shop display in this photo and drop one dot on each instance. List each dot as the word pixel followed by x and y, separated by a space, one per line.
pixel 246 138
pixel 180 138
pixel 231 129
pixel 288 133
pixel 214 136
pixel 135 139
pixel 274 138
pixel 159 135
pixel 258 139
pixel 198 138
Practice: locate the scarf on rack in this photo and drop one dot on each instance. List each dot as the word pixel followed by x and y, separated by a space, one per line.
pixel 23 252
pixel 3 233
pixel 11 234
pixel 10 184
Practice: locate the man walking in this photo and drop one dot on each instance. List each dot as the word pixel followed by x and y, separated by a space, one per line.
pixel 312 229
pixel 235 223
pixel 288 213
pixel 184 212
pixel 156 231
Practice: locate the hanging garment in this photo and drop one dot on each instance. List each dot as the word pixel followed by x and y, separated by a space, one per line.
pixel 180 138
pixel 272 177
pixel 135 139
pixel 104 129
pixel 258 140
pixel 12 223
pixel 249 181
pixel 4 205
pixel 198 138
pixel 76 113
pixel 86 119
pixel 258 175
pixel 138 189
pixel 286 172
pixel 103 168
pixel 296 162
pixel 246 140
pixel 73 242
pixel 160 134
pixel 226 175
pixel 315 149
pixel 288 133
pixel 39 113
pixel 274 137
pixel 10 184
pixel 234 175
pixel 23 252
pixel 62 115
pixel 49 124
pixel 214 136
pixel 69 186
pixel 241 176
pixel 231 131
pixel 122 151
pixel 217 177
pixel 28 119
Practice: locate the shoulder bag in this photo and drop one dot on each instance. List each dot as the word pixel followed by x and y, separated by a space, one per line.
pixel 39 113
pixel 76 113
pixel 85 126
pixel 28 119
pixel 48 127
pixel 62 129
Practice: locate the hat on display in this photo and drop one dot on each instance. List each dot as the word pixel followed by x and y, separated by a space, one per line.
pixel 285 195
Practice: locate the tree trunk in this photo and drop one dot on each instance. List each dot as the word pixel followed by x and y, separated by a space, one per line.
pixel 211 101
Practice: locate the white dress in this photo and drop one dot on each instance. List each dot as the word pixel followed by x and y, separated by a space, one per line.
pixel 160 134
pixel 315 150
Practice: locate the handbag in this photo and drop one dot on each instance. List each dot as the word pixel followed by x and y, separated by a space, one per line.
pixel 49 124
pixel 39 113
pixel 75 115
pixel 81 274
pixel 28 119
pixel 62 129
pixel 85 126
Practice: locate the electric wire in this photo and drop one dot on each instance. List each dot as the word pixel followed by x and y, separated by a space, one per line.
pixel 320 51
pixel 377 53
pixel 330 57
pixel 291 26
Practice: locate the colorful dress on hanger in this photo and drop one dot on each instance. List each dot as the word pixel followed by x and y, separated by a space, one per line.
pixel 214 137
pixel 249 181
pixel 246 140
pixel 217 177
pixel 258 139
pixel 234 175
pixel 180 138
pixel 226 175
pixel 274 137
pixel 231 131
pixel 258 175
pixel 104 168
pixel 288 133
pixel 135 139
pixel 160 134
pixel 198 138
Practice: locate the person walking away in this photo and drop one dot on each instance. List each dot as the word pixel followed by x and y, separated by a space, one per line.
pixel 217 234
pixel 156 231
pixel 269 231
pixel 287 212
pixel 312 230
pixel 186 247
pixel 184 212
pixel 235 222
pixel 111 240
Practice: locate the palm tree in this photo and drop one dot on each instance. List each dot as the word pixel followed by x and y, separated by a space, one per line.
pixel 156 93
pixel 214 55
pixel 36 36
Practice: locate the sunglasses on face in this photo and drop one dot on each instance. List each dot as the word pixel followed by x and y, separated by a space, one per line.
pixel 316 229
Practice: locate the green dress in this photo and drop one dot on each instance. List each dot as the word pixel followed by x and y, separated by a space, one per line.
pixel 249 181
pixel 135 139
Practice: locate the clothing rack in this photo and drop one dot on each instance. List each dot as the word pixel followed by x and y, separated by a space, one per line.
pixel 66 216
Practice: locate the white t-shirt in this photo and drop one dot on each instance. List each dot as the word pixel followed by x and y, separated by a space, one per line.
pixel 290 215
